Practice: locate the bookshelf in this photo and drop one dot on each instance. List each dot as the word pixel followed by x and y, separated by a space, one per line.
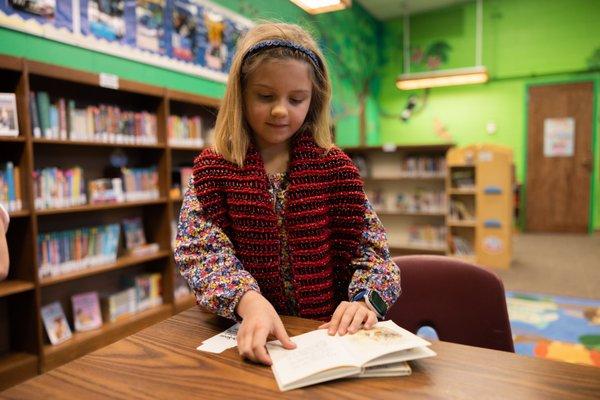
pixel 24 347
pixel 480 197
pixel 406 186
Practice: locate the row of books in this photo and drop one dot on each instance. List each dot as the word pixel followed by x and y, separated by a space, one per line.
pixel 412 166
pixel 460 246
pixel 463 178
pixel 72 250
pixel 427 236
pixel 66 251
pixel 10 187
pixel 460 212
pixel 423 166
pixel 58 188
pixel 9 124
pixel 185 131
pixel 418 201
pixel 55 187
pixel 61 119
pixel 90 310
pixel 140 183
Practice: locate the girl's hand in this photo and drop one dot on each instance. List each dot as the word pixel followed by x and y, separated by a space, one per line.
pixel 349 316
pixel 259 320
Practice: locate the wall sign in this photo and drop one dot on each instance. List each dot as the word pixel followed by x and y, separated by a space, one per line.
pixel 559 137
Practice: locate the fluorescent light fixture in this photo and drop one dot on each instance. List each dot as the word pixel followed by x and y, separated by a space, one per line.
pixel 449 77
pixel 322 6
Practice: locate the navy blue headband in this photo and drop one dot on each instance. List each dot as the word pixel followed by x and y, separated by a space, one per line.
pixel 272 43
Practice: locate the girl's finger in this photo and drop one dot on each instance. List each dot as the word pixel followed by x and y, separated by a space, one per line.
pixel 337 315
pixel 347 318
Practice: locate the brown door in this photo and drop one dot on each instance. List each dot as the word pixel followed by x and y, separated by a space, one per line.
pixel 559 157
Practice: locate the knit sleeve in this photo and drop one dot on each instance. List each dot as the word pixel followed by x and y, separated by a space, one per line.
pixel 373 267
pixel 206 259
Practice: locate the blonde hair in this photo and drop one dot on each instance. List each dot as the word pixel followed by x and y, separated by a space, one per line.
pixel 232 133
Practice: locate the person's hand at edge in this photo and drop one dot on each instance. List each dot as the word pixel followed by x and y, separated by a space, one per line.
pixel 348 317
pixel 259 320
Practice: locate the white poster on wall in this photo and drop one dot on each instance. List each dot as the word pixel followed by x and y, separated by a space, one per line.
pixel 559 137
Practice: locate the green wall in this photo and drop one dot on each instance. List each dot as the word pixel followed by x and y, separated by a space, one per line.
pixel 525 42
pixel 343 24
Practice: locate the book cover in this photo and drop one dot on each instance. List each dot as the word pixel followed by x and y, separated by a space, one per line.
pixel 55 322
pixel 9 125
pixel 106 190
pixel 380 351
pixel 133 229
pixel 119 305
pixel 86 311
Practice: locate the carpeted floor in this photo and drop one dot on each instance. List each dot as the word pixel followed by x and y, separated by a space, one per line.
pixel 556 264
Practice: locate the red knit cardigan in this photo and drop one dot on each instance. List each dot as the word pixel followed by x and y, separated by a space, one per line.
pixel 324 217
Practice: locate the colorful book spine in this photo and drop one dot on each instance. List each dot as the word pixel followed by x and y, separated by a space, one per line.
pixel 66 251
pixel 58 188
pixel 43 105
pixel 10 187
pixel 185 131
pixel 35 119
pixel 140 183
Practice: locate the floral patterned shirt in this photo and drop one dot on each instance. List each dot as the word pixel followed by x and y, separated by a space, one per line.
pixel 206 258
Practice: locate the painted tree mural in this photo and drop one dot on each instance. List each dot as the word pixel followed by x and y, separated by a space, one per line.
pixel 354 54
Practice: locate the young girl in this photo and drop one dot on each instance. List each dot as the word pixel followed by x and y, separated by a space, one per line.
pixel 276 220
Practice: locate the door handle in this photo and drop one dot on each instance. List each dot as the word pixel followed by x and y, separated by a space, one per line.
pixel 587 163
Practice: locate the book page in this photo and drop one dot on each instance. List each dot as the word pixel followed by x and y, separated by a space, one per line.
pixel 384 338
pixel 402 355
pixel 316 352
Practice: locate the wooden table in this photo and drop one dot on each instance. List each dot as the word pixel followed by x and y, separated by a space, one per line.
pixel 161 362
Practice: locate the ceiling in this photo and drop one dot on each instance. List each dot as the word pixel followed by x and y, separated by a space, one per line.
pixel 390 9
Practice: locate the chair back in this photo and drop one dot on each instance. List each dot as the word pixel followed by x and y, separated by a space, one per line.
pixel 464 303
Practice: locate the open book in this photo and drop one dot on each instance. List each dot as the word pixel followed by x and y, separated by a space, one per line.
pixel 380 351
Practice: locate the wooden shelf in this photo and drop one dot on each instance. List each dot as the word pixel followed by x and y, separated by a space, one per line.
pixel 468 224
pixel 184 97
pixel 22 319
pixel 122 262
pixel 184 303
pixel 413 214
pixel 14 286
pixel 406 177
pixel 16 367
pixel 84 342
pixel 13 139
pixel 18 214
pixel 463 191
pixel 90 78
pixel 187 148
pixel 97 144
pixel 427 148
pixel 416 248
pixel 100 207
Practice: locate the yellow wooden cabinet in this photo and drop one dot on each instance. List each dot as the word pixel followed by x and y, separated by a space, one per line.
pixel 480 197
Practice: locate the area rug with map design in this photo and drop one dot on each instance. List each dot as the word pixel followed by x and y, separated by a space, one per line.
pixel 555 327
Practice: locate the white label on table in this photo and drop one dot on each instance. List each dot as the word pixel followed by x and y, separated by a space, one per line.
pixel 221 342
pixel 110 81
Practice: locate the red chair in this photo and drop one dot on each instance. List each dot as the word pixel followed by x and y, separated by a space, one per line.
pixel 464 303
